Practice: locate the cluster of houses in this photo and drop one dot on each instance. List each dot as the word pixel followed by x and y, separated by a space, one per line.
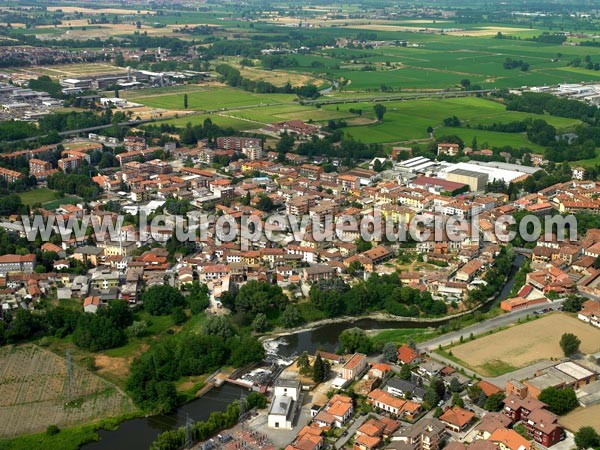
pixel 459 255
pixel 397 419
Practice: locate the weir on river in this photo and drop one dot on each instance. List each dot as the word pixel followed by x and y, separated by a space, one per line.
pixel 138 434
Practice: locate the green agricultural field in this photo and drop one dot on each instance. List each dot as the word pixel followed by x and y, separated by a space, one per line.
pixel 490 138
pixel 433 61
pixel 225 121
pixel 210 99
pixel 281 113
pixel 408 120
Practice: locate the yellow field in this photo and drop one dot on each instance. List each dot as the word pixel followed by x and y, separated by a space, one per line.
pixel 487 31
pixel 79 9
pixel 277 77
pixel 525 344
pixel 580 417
pixel 73 70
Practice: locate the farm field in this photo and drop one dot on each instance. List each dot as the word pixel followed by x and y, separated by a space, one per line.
pixel 409 119
pixel 433 61
pixel 271 114
pixel 490 138
pixel 580 417
pixel 207 98
pixel 221 120
pixel 524 344
pixel 33 393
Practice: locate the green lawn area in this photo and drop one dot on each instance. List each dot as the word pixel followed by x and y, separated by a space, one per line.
pixel 61 201
pixel 403 336
pixel 67 439
pixel 41 195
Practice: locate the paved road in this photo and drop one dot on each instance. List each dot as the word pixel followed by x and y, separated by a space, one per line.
pixel 351 431
pixel 485 326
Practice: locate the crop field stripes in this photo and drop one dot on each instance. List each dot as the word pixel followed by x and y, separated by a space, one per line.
pixel 33 392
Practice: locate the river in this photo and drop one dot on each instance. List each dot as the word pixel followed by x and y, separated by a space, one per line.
pixel 138 434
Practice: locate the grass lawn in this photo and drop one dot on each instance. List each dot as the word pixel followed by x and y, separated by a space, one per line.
pixel 41 195
pixel 67 439
pixel 403 336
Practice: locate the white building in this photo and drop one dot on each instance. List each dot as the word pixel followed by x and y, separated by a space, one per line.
pixel 280 413
pixel 287 388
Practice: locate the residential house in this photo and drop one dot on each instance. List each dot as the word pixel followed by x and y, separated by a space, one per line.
pixel 408 355
pixel 91 304
pixel 509 440
pixel 427 434
pixel 356 365
pixel 405 389
pixel 384 401
pixel 457 419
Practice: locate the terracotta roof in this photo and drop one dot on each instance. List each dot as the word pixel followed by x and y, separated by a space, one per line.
pixel 457 416
pixel 510 439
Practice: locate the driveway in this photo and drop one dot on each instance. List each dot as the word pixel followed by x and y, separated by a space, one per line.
pixel 351 431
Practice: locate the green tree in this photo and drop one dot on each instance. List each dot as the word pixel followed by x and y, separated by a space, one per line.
pixel 455 385
pixel 159 300
pixel 587 437
pixel 260 322
pixel 95 333
pixel 303 363
pixel 430 399
pixel 355 340
pixel 291 317
pixel 569 344
pixel 390 352
pixel 457 400
pixel 559 401
pixel 406 372
pixel 217 326
pixel 178 315
pixel 119 312
pixel 320 370
pixel 494 402
pixel 185 101
pixel 380 111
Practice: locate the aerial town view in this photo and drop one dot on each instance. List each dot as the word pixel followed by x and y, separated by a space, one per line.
pixel 299 225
